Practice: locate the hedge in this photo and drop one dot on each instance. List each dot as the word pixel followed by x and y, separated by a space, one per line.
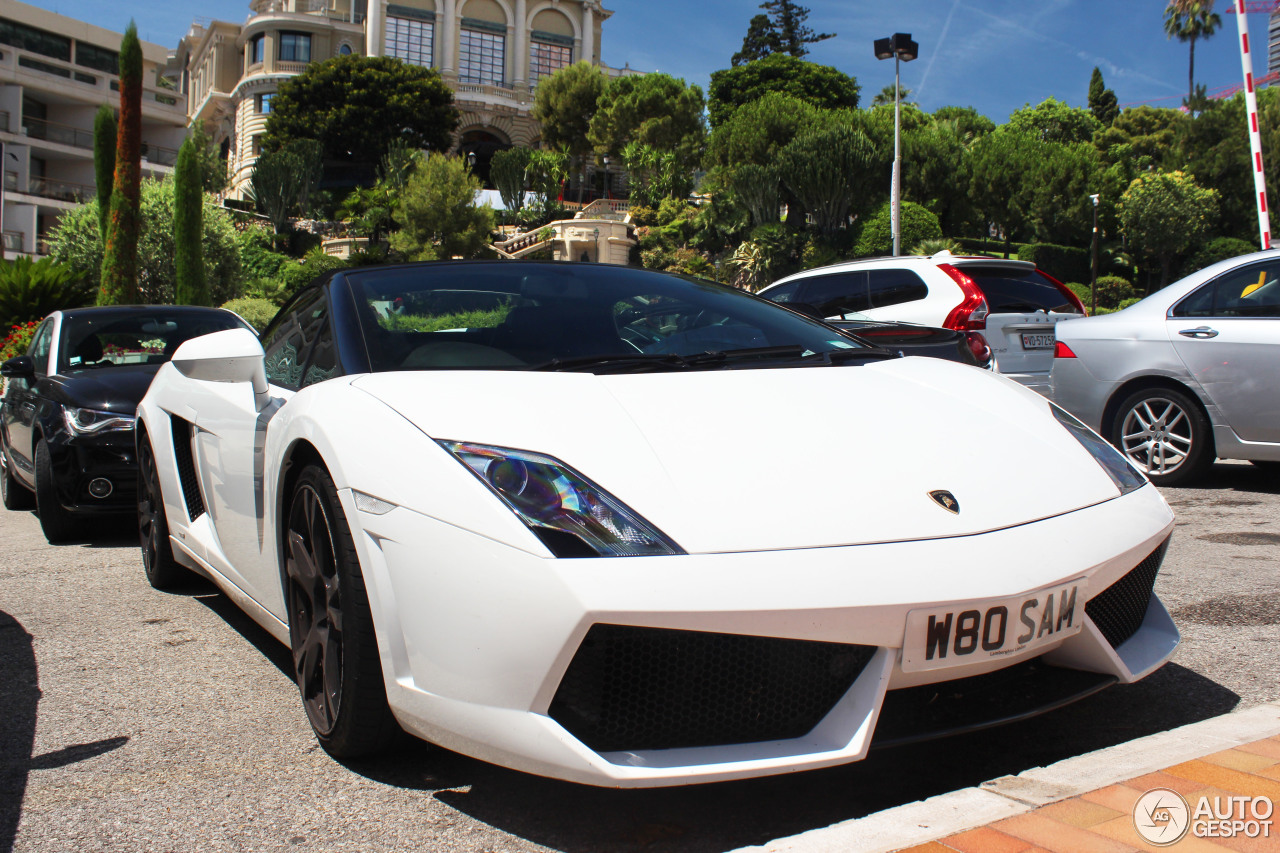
pixel 1065 263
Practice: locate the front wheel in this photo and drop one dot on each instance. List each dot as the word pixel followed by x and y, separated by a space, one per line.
pixel 163 571
pixel 1166 434
pixel 335 654
pixel 56 522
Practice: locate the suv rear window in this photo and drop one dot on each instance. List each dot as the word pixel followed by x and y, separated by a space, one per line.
pixel 1010 291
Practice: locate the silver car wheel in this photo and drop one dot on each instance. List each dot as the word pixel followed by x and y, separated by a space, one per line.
pixel 1157 434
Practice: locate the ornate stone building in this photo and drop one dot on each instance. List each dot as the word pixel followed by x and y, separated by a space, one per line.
pixel 490 52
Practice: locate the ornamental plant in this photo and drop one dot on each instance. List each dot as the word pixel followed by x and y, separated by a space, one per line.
pixel 120 258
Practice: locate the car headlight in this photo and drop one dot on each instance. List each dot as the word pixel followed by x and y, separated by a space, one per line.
pixel 94 421
pixel 1122 473
pixel 570 514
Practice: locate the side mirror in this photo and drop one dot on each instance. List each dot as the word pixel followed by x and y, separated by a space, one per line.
pixel 20 367
pixel 234 355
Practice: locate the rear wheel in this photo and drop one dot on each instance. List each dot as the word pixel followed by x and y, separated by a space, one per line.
pixel 16 496
pixel 163 571
pixel 56 522
pixel 1166 434
pixel 335 654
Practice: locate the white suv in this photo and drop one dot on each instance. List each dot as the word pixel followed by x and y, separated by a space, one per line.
pixel 1009 305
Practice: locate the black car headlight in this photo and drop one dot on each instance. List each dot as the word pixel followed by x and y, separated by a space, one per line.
pixel 95 421
pixel 1122 473
pixel 570 514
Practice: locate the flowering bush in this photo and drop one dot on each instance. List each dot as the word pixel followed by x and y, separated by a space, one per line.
pixel 18 340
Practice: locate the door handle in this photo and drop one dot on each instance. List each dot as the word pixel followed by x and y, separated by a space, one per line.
pixel 1199 332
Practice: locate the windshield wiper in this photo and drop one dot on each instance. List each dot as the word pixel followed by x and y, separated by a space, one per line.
pixel 620 362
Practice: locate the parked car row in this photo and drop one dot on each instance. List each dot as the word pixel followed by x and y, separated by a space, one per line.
pixel 574 519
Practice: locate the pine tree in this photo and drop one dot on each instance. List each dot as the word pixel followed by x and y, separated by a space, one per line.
pixel 104 162
pixel 120 253
pixel 781 31
pixel 1102 101
pixel 190 286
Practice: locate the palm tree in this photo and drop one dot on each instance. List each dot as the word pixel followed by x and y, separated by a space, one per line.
pixel 1190 20
pixel 885 95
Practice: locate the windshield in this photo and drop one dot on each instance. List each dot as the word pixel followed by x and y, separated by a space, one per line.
pixel 1018 291
pixel 513 316
pixel 149 336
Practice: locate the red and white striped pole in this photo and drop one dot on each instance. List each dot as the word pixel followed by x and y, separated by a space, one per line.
pixel 1255 138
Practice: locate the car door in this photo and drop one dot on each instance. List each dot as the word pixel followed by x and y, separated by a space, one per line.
pixel 22 403
pixel 230 435
pixel 836 294
pixel 1227 333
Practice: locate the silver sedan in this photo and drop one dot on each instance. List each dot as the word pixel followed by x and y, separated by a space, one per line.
pixel 1188 374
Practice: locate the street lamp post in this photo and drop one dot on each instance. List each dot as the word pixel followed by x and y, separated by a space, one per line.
pixel 902 49
pixel 1093 275
pixel 606 177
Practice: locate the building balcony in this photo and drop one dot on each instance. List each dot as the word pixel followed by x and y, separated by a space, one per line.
pixel 319 8
pixel 78 137
pixel 29 68
pixel 55 190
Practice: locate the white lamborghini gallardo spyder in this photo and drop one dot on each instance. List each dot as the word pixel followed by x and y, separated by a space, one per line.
pixel 629 529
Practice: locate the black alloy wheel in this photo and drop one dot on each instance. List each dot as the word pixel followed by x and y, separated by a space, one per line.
pixel 16 496
pixel 163 571
pixel 55 520
pixel 335 653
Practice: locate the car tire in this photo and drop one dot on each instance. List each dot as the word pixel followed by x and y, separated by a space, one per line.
pixel 16 496
pixel 1166 434
pixel 56 522
pixel 335 653
pixel 163 571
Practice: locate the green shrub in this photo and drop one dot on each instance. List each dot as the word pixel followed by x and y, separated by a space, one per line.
pixel 440 322
pixel 1125 303
pixel 936 245
pixel 1219 249
pixel 257 260
pixel 1065 263
pixel 918 225
pixel 31 289
pixel 18 339
pixel 256 312
pixel 1080 290
pixel 1112 290
pixel 643 216
pixel 297 275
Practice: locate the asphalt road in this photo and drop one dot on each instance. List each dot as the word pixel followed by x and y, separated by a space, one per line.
pixel 133 720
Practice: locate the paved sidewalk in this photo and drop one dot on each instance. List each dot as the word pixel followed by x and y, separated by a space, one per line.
pixel 1087 803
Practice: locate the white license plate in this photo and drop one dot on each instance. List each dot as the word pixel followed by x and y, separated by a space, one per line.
pixel 939 637
pixel 1037 340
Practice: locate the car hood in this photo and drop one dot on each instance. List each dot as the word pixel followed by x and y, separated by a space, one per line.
pixel 737 460
pixel 118 388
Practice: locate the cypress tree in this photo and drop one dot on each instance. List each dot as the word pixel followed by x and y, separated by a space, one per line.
pixel 120 249
pixel 190 286
pixel 1102 101
pixel 104 163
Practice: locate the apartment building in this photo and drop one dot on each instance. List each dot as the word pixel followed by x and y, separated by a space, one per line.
pixel 490 52
pixel 55 72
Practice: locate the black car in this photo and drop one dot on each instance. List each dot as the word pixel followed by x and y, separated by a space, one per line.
pixel 66 419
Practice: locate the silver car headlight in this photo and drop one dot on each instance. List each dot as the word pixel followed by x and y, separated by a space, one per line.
pixel 570 514
pixel 1118 468
pixel 95 421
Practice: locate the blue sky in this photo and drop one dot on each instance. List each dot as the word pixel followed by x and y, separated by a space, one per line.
pixel 994 55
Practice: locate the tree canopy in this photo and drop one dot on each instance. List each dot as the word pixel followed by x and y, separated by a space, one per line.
pixel 1102 101
pixel 358 106
pixel 439 215
pixel 654 109
pixel 1165 213
pixel 820 85
pixel 782 30
pixel 1053 121
pixel 564 104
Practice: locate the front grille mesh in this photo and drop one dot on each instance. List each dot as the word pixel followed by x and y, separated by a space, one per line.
pixel 186 467
pixel 631 688
pixel 1119 609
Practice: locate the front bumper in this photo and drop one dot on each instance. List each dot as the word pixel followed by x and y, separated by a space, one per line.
pixel 80 460
pixel 497 653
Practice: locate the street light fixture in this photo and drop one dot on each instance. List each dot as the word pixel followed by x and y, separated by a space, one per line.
pixel 1093 275
pixel 900 48
pixel 606 177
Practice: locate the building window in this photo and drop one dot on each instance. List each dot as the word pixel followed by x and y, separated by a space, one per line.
pixel 295 47
pixel 344 49
pixel 264 104
pixel 257 49
pixel 35 40
pixel 97 58
pixel 483 57
pixel 410 40
pixel 255 146
pixel 546 58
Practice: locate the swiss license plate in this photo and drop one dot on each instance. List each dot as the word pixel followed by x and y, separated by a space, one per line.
pixel 939 637
pixel 1037 340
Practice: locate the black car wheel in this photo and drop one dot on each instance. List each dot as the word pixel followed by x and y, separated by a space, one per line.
pixel 16 496
pixel 56 522
pixel 163 571
pixel 1166 434
pixel 335 654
